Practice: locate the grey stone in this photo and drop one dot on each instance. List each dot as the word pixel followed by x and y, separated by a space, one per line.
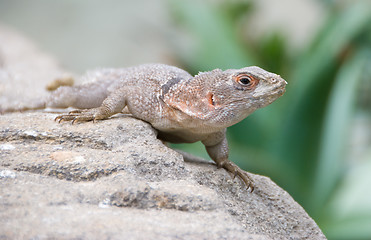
pixel 114 179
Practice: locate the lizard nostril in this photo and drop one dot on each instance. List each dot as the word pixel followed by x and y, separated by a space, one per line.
pixel 274 80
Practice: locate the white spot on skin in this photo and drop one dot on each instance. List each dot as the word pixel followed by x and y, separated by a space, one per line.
pixel 31 133
pixel 106 203
pixel 7 174
pixel 58 147
pixel 7 147
pixel 79 159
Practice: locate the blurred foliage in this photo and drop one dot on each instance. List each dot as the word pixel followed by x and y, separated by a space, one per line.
pixel 302 140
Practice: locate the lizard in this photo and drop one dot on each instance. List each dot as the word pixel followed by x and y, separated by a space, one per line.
pixel 181 107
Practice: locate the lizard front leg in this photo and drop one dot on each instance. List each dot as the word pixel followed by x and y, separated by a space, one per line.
pixel 217 147
pixel 113 104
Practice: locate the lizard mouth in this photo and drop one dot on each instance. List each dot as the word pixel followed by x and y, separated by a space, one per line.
pixel 270 96
pixel 276 91
pixel 279 91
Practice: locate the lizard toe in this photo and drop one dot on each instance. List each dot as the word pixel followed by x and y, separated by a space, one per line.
pixel 79 115
pixel 83 118
pixel 76 111
pixel 236 171
pixel 62 118
pixel 248 181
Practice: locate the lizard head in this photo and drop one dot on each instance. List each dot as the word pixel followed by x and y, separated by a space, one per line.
pixel 234 94
pixel 255 86
pixel 223 98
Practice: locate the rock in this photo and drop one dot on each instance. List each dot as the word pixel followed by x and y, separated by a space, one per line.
pixel 114 179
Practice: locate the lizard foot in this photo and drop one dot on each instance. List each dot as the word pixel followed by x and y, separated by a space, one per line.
pixel 80 115
pixel 236 171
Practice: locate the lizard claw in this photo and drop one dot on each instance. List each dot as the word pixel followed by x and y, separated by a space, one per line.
pixel 236 171
pixel 74 120
pixel 234 174
pixel 77 116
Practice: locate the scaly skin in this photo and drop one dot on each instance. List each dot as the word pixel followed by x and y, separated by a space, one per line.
pixel 181 107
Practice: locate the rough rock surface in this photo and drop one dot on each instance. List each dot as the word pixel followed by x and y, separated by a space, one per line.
pixel 114 180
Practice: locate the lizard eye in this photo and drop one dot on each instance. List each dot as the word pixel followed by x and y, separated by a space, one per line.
pixel 246 81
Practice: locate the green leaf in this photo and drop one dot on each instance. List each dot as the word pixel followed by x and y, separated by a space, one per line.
pixel 333 41
pixel 348 213
pixel 336 127
pixel 298 141
pixel 217 42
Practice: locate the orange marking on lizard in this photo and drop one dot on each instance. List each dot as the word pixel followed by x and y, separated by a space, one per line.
pixel 210 98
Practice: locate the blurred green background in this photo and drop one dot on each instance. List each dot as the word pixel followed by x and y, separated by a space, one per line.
pixel 315 141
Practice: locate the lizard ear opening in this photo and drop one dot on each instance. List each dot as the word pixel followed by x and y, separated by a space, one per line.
pixel 210 98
